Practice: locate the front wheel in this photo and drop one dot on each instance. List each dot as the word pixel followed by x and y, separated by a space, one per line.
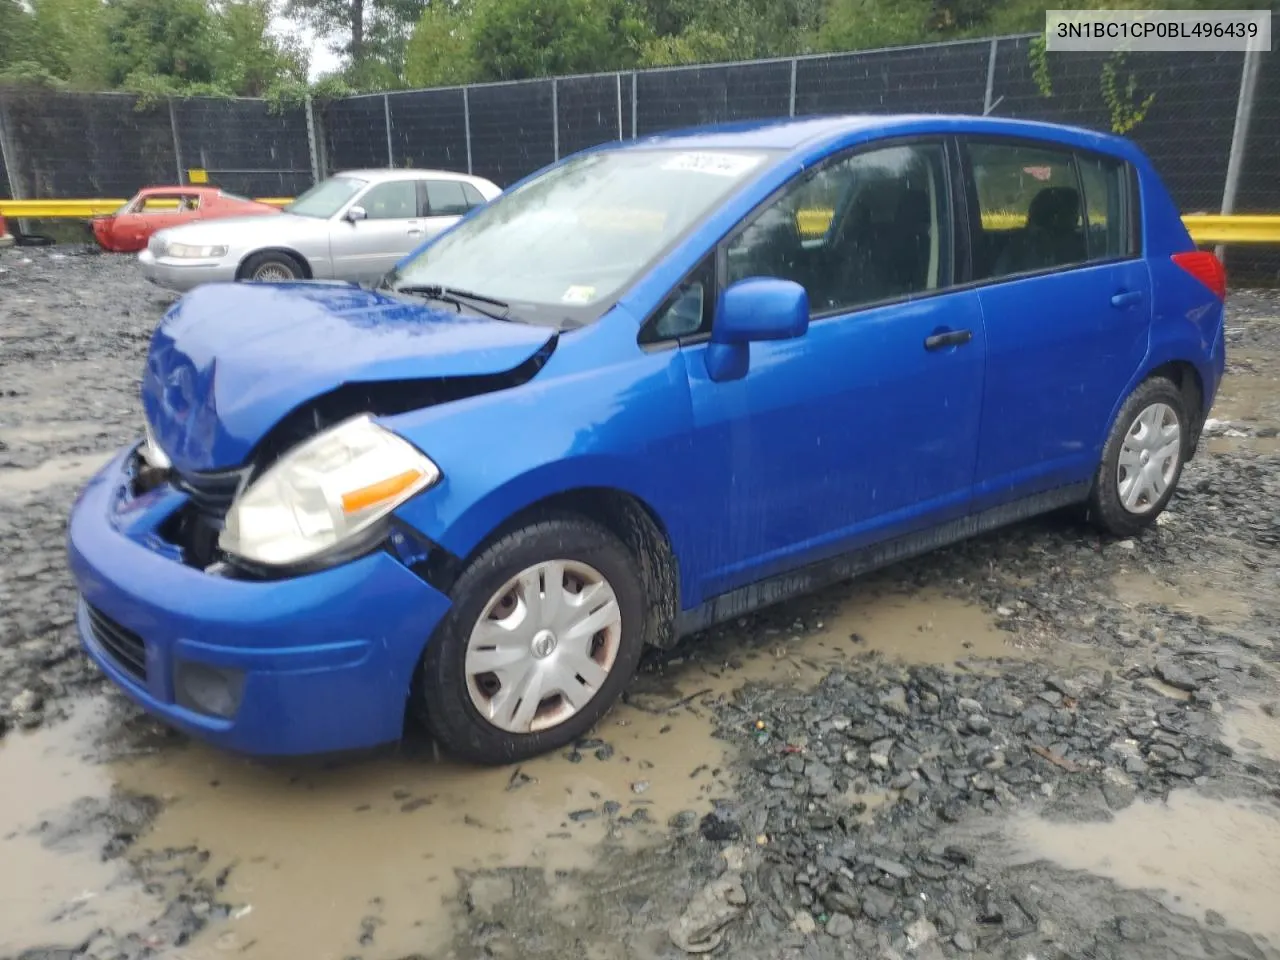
pixel 545 632
pixel 272 267
pixel 1142 459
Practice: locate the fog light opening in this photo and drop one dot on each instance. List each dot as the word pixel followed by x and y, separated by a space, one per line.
pixel 215 691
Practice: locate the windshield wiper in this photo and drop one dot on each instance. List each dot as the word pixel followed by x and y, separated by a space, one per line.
pixel 435 291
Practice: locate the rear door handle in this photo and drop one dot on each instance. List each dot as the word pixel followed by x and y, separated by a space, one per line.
pixel 1126 298
pixel 947 338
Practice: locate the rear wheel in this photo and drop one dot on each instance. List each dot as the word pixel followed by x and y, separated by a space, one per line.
pixel 545 632
pixel 272 267
pixel 1142 459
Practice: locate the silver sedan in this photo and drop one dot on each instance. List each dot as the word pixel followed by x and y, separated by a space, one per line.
pixel 354 226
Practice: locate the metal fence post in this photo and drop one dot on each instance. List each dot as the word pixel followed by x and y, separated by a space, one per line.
pixel 1239 135
pixel 793 85
pixel 987 105
pixel 177 143
pixel 466 123
pixel 618 77
pixel 312 147
pixel 633 104
pixel 8 154
pixel 386 115
pixel 555 117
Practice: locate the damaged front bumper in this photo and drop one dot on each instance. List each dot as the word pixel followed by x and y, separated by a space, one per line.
pixel 310 664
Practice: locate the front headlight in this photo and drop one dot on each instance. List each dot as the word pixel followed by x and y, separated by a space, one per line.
pixel 187 251
pixel 325 491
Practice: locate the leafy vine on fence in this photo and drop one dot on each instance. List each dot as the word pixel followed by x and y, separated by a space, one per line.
pixel 1124 104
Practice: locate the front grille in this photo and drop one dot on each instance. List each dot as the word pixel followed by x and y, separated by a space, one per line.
pixel 124 647
pixel 211 493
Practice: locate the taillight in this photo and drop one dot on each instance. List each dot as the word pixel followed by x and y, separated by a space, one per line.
pixel 1206 268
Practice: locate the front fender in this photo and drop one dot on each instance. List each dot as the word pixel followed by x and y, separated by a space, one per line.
pixel 622 426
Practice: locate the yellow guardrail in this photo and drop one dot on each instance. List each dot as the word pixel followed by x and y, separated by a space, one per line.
pixel 84 209
pixel 1205 228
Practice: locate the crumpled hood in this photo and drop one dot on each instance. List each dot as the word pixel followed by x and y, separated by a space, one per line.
pixel 230 360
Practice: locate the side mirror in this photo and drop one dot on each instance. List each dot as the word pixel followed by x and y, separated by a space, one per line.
pixel 758 308
pixel 356 214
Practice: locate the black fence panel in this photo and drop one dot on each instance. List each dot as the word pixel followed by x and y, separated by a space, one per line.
pixel 590 109
pixel 429 130
pixel 1186 130
pixel 512 131
pixel 689 96
pixel 5 193
pixel 355 134
pixel 87 145
pixel 247 146
pixel 951 78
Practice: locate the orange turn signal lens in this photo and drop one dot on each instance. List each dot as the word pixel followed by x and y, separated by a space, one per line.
pixel 376 493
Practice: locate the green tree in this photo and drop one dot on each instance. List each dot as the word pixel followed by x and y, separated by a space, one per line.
pixel 516 39
pixel 249 61
pixel 869 24
pixel 161 44
pixel 439 52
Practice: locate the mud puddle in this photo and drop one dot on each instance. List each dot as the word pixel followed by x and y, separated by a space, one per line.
pixel 1191 596
pixel 58 888
pixel 1196 854
pixel 1251 729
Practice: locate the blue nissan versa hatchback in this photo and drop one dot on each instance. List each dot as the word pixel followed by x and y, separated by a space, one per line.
pixel 649 388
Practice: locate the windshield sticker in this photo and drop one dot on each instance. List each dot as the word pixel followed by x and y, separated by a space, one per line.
pixel 719 164
pixel 576 294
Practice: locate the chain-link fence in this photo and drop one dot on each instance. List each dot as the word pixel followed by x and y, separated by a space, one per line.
pixel 1182 109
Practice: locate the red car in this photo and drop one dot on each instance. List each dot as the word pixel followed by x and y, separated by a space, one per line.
pixel 155 208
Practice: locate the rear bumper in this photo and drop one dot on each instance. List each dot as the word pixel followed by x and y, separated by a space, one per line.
pixel 184 275
pixel 325 661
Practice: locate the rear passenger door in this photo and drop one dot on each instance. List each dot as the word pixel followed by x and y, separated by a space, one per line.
pixel 1066 307
pixel 445 202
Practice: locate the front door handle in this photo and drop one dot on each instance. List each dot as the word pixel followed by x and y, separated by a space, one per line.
pixel 947 338
pixel 1126 298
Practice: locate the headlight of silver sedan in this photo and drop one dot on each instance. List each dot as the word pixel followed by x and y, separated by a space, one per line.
pixel 188 251
pixel 324 492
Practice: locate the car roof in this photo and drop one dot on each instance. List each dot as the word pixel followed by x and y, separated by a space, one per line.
pixel 790 134
pixel 374 175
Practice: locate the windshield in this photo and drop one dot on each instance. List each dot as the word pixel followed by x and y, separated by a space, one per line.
pixel 325 198
pixel 568 241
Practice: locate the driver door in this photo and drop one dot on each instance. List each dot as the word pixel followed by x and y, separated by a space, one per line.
pixel 366 249
pixel 865 428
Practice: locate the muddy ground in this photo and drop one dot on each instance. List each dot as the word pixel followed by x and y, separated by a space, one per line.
pixel 1037 744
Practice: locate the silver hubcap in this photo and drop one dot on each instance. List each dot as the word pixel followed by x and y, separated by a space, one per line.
pixel 270 272
pixel 1149 458
pixel 543 646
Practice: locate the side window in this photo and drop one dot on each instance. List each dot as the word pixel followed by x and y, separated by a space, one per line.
pixel 393 200
pixel 687 312
pixel 445 198
pixel 474 197
pixel 874 226
pixel 1030 209
pixel 1105 181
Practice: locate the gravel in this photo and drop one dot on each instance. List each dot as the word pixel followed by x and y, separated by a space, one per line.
pixel 851 824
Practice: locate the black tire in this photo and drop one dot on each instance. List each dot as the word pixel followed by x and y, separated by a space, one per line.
pixel 1106 508
pixel 273 259
pixel 441 697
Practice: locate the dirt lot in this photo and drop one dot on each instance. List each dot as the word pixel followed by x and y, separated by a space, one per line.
pixel 1037 744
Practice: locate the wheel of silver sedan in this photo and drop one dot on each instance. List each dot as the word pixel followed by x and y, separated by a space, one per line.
pixel 1149 458
pixel 543 646
pixel 273 272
